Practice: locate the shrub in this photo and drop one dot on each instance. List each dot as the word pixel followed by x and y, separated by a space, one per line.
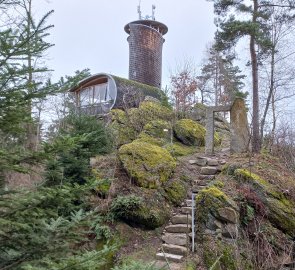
pixel 82 138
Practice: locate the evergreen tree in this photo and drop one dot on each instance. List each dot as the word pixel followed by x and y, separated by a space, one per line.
pixel 253 23
pixel 221 77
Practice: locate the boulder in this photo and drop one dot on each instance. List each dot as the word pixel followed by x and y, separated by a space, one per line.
pixel 190 132
pixel 175 191
pixel 209 201
pixel 158 129
pixel 149 165
pixel 147 209
pixel 281 210
pixel 230 231
pixel 122 128
pixel 228 214
pixel 149 111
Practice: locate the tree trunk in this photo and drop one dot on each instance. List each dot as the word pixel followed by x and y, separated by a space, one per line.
pixel 256 145
pixel 270 93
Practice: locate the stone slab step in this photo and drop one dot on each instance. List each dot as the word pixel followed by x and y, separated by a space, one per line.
pixel 170 257
pixel 174 249
pixel 212 162
pixel 181 219
pixel 186 210
pixel 208 170
pixel 179 239
pixel 178 228
pixel 206 177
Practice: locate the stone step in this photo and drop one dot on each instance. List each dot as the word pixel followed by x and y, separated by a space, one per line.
pixel 181 219
pixel 206 177
pixel 170 257
pixel 212 162
pixel 186 210
pixel 179 239
pixel 174 249
pixel 208 170
pixel 178 228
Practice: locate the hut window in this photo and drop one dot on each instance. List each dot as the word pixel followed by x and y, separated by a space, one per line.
pixel 100 93
pixel 86 96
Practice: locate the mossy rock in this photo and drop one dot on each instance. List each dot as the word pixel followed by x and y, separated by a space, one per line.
pixel 119 116
pixel 175 191
pixel 145 138
pixel 209 201
pixel 148 210
pixel 281 210
pixel 178 149
pixel 190 132
pixel 147 112
pixel 149 165
pixel 155 132
pixel 158 129
pixel 122 128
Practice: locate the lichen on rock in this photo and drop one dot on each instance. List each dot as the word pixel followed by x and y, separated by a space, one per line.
pixel 190 132
pixel 147 112
pixel 175 191
pixel 149 165
pixel 122 128
pixel 281 210
pixel 209 201
pixel 178 149
pixel 147 209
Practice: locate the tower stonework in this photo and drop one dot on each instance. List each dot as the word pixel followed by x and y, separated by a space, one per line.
pixel 145 51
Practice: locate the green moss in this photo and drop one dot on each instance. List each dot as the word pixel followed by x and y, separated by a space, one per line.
pixel 148 164
pixel 145 138
pixel 190 132
pixel 218 184
pixel 149 111
pixel 281 210
pixel 149 210
pixel 122 128
pixel 158 129
pixel 119 116
pixel 175 191
pixel 155 132
pixel 178 149
pixel 144 89
pixel 208 202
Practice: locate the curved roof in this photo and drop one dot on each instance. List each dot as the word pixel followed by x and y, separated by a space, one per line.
pixel 154 24
pixel 91 78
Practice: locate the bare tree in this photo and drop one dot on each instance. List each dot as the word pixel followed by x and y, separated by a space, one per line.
pixel 184 87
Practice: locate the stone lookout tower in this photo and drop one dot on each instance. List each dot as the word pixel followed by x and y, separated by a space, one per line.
pixel 145 49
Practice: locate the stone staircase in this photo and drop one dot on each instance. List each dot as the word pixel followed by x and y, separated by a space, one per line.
pixel 178 233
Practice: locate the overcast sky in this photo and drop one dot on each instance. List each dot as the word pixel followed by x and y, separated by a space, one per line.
pixel 90 34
